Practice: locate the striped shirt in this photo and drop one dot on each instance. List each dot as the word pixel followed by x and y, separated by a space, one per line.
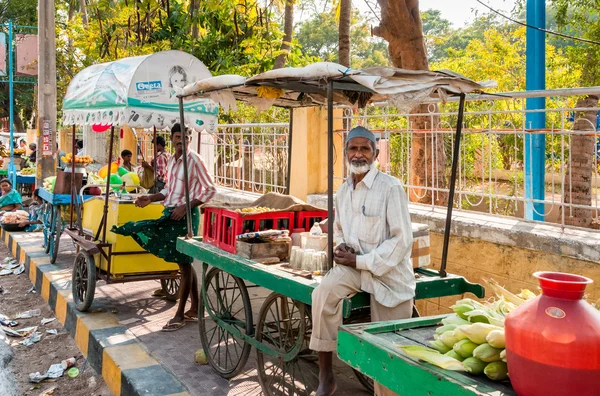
pixel 373 219
pixel 201 184
pixel 160 166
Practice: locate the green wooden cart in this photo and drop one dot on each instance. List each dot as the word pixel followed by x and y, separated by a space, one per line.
pixel 282 331
pixel 372 349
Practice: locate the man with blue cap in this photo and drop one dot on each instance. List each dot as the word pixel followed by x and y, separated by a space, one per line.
pixel 373 243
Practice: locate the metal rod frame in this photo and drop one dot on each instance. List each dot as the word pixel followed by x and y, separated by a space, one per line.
pixel 330 210
pixel 289 159
pixel 73 196
pixel 455 155
pixel 188 204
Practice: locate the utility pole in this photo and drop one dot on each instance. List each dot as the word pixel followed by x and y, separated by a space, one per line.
pixel 46 128
pixel 535 143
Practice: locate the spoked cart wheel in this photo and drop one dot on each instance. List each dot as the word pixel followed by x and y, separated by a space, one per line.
pixel 282 328
pixel 83 281
pixel 171 288
pixel 225 297
pixel 56 233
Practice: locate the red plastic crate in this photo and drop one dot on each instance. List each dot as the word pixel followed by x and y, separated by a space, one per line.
pixel 232 224
pixel 210 225
pixel 305 220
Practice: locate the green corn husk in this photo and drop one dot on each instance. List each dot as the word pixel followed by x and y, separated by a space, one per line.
pixel 496 371
pixel 439 346
pixel 477 316
pixel 462 310
pixel 442 329
pixel 496 339
pixel 449 339
pixel 487 353
pixel 433 357
pixel 474 365
pixel 503 355
pixel 464 348
pixel 454 355
pixel 477 332
pixel 454 319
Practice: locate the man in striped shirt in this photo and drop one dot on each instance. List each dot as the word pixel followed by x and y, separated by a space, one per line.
pixel 159 237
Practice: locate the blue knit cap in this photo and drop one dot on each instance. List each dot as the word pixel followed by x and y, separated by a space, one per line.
pixel 361 132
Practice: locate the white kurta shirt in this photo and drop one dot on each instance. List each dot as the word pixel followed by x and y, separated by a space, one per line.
pixel 373 219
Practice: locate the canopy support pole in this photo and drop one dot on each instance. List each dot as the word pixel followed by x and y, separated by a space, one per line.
pixel 330 212
pixel 73 194
pixel 186 184
pixel 110 155
pixel 289 159
pixel 154 157
pixel 455 154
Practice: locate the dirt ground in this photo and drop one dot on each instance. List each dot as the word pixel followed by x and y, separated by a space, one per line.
pixel 49 350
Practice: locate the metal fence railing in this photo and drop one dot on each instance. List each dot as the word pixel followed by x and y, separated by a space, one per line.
pixel 416 148
pixel 248 157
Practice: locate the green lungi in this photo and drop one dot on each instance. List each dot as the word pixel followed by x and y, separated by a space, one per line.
pixel 159 236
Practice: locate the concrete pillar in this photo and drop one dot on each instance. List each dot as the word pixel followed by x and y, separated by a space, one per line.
pixel 309 151
pixel 128 142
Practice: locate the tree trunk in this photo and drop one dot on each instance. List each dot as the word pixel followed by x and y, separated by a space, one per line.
pixel 194 7
pixel 578 180
pixel 344 32
pixel 84 14
pixel 402 28
pixel 288 30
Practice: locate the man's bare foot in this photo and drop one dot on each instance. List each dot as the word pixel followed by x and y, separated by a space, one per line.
pixel 327 386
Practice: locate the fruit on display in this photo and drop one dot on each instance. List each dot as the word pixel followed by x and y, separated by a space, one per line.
pixel 27 171
pixel 18 151
pixel 81 160
pixel 254 210
pixel 94 191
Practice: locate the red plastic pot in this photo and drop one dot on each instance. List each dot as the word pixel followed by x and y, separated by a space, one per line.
pixel 553 340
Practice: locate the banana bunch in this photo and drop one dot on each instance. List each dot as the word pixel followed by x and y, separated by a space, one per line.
pixel 254 210
pixel 28 171
pixel 19 151
pixel 84 160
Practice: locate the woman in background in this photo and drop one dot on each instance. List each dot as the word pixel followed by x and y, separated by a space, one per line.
pixel 10 200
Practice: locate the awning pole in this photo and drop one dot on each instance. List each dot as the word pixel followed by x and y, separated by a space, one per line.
pixel 73 195
pixel 289 159
pixel 330 213
pixel 455 154
pixel 110 155
pixel 186 185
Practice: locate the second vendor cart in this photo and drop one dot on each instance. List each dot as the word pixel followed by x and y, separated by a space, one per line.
pixel 282 330
pixel 103 97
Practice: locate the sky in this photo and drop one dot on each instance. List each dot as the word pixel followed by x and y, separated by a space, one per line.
pixel 461 11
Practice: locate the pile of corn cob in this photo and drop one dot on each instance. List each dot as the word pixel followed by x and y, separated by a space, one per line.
pixel 472 339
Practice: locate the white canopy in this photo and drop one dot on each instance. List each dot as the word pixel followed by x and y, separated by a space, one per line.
pixel 139 92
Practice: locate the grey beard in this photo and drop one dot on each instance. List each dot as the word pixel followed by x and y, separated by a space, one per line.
pixel 359 169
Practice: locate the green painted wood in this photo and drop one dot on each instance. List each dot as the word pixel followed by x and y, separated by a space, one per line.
pixel 375 354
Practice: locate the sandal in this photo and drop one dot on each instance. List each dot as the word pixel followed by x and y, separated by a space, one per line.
pixel 189 317
pixel 173 326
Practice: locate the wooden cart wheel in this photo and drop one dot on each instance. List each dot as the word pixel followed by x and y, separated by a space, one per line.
pixel 48 227
pixel 57 233
pixel 83 281
pixel 282 327
pixel 227 299
pixel 171 288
